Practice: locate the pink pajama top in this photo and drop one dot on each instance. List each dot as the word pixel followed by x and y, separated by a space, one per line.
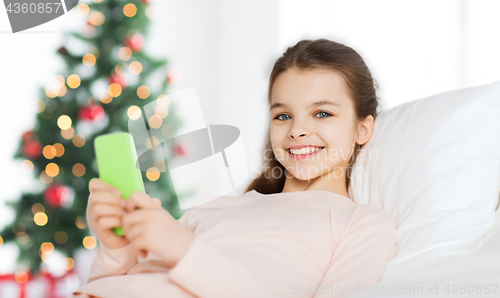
pixel 294 244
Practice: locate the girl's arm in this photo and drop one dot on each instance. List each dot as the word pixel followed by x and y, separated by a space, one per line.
pixel 109 261
pixel 360 258
pixel 208 273
pixel 117 261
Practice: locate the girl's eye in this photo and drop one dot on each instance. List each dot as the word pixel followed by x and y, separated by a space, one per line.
pixel 324 113
pixel 278 117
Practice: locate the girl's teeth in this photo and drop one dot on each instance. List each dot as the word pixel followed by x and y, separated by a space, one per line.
pixel 307 150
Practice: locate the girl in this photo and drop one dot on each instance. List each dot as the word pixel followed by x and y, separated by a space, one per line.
pixel 294 233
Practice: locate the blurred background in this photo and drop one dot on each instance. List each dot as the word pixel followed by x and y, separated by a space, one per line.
pixel 226 50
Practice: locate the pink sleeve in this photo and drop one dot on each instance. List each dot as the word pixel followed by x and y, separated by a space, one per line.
pixel 360 258
pixel 208 273
pixel 117 261
pixel 112 262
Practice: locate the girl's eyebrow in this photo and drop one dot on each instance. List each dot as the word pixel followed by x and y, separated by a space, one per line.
pixel 314 104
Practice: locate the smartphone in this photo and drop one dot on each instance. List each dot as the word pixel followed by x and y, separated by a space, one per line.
pixel 116 163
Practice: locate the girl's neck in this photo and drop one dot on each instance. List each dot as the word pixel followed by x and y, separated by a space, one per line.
pixel 336 185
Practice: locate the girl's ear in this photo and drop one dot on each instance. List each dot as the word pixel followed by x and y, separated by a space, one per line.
pixel 365 130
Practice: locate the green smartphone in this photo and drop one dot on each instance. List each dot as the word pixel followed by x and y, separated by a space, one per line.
pixel 116 163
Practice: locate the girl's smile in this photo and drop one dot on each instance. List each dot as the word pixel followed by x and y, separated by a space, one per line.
pixel 304 153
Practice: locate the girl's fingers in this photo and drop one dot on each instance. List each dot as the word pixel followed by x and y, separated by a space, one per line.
pixel 109 222
pixel 131 231
pixel 100 210
pixel 104 197
pixel 134 217
pixel 96 184
pixel 141 200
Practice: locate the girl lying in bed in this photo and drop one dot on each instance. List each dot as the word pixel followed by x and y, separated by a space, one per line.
pixel 295 232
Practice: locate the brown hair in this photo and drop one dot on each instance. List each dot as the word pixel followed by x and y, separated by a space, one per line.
pixel 311 55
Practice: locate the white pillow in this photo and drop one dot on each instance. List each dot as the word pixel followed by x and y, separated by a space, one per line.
pixel 435 169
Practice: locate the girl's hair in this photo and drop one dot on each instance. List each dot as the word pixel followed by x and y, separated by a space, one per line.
pixel 314 55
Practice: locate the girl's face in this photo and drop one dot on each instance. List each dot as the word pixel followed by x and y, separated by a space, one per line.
pixel 312 108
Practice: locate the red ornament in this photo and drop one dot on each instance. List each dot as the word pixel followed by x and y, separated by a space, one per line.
pixel 90 113
pixel 28 135
pixel 32 149
pixel 179 150
pixel 172 77
pixel 56 195
pixel 62 50
pixel 114 78
pixel 145 1
pixel 135 42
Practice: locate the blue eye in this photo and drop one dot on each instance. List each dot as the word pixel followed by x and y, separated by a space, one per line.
pixel 277 117
pixel 324 113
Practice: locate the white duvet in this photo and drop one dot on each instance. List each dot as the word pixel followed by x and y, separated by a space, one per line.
pixel 467 275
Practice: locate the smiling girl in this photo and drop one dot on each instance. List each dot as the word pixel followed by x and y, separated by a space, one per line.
pixel 295 232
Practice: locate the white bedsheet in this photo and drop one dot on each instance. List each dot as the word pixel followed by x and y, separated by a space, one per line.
pixel 466 275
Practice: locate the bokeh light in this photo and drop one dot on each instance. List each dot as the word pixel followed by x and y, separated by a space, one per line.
pixel 89 60
pixel 59 149
pixel 27 166
pixel 52 169
pixel 64 122
pixel 135 68
pixel 41 106
pixel 120 67
pixel 96 18
pixel 82 10
pixel 22 238
pixel 104 97
pixel 69 263
pixel 45 178
pixel 67 133
pixel 155 121
pixel 89 242
pixel 21 277
pixel 61 237
pixel 150 13
pixel 80 222
pixel 79 140
pixel 73 81
pixel 47 248
pixel 129 10
pixel 161 111
pixel 125 53
pixel 115 90
pixel 134 112
pixel 37 207
pixel 153 174
pixel 49 152
pixel 40 218
pixel 79 170
pixel 163 100
pixel 143 92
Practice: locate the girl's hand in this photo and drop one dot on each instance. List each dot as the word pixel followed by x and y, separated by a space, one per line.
pixel 152 229
pixel 104 212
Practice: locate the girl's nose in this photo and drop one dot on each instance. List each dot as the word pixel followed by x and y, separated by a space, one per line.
pixel 295 135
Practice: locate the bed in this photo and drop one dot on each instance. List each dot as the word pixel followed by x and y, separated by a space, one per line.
pixel 436 172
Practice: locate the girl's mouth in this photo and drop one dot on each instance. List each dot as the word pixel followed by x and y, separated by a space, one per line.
pixel 304 156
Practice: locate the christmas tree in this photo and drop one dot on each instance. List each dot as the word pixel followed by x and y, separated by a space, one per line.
pixel 107 79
